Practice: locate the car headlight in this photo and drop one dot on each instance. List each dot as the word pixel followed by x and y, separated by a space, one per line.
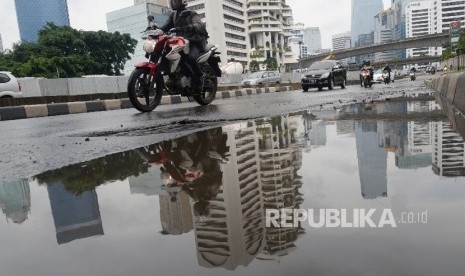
pixel 325 75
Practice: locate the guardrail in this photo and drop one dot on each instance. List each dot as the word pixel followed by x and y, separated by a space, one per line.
pixel 38 87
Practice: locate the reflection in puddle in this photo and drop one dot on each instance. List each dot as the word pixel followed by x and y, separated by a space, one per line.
pixel 219 182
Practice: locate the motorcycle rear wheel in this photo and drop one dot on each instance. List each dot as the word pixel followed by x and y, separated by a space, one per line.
pixel 145 91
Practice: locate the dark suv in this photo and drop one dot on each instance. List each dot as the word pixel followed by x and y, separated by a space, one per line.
pixel 326 73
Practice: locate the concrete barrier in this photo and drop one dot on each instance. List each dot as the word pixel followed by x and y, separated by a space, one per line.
pixel 77 107
pixel 42 110
pixel 34 111
pixel 459 97
pixel 445 86
pixel 452 88
pixel 112 104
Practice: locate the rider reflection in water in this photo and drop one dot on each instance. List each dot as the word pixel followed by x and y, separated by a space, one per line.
pixel 188 24
pixel 192 165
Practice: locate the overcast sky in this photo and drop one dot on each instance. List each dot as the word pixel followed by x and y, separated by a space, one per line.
pixel 332 16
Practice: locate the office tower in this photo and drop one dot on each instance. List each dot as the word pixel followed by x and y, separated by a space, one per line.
pixel 280 159
pixel 384 32
pixel 372 160
pixel 270 26
pixel 226 22
pixel 449 151
pixel 312 38
pixel 419 21
pixel 233 232
pixel 75 216
pixel 176 214
pixel 15 200
pixel 341 41
pixel 133 20
pixel 34 15
pixel 363 13
pixel 447 12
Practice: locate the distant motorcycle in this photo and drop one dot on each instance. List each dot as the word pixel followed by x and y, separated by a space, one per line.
pixel 412 76
pixel 386 77
pixel 366 78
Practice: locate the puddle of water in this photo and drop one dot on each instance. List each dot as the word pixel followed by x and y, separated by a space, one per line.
pixel 197 204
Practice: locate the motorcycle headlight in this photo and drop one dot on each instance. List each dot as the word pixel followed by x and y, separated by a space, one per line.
pixel 325 75
pixel 149 45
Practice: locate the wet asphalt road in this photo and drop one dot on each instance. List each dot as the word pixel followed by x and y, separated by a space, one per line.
pixel 32 146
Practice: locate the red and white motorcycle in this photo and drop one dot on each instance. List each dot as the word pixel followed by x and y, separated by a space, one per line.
pixel 167 69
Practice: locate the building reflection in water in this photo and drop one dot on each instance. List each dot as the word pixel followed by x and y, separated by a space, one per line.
pixel 280 159
pixel 75 216
pixel 15 200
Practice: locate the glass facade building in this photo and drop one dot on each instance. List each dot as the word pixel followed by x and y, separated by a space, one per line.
pixel 363 17
pixel 133 20
pixel 34 15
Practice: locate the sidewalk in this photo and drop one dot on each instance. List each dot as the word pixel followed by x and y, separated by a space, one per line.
pixel 56 109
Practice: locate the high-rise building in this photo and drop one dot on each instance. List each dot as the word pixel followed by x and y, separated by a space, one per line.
pixel 372 160
pixel 446 12
pixel 226 22
pixel 312 38
pixel 233 233
pixel 270 26
pixel 398 6
pixel 342 41
pixel 280 160
pixel 133 20
pixel 449 151
pixel 363 14
pixel 176 213
pixel 384 32
pixel 75 216
pixel 420 21
pixel 15 200
pixel 34 15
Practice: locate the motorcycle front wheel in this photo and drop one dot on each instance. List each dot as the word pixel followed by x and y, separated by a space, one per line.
pixel 208 94
pixel 145 91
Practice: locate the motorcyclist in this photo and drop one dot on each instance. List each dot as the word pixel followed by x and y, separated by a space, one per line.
pixel 366 66
pixel 388 70
pixel 188 23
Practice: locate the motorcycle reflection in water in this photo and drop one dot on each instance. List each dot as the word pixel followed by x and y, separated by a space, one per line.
pixel 191 165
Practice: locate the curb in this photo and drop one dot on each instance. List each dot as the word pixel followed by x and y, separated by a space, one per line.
pixel 46 110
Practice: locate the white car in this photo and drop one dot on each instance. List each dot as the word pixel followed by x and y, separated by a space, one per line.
pixel 9 86
pixel 378 76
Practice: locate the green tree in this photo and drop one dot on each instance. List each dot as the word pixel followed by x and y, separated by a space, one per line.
pixel 67 52
pixel 254 66
pixel 271 64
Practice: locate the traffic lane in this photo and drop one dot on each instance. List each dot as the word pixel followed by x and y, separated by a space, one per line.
pixel 32 146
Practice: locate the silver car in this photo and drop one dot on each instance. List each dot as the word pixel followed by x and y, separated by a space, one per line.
pixel 9 86
pixel 262 78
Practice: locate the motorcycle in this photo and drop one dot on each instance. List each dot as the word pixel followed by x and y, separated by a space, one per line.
pixel 168 69
pixel 412 76
pixel 366 78
pixel 386 77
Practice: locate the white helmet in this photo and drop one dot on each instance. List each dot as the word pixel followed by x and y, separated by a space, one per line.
pixel 176 4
